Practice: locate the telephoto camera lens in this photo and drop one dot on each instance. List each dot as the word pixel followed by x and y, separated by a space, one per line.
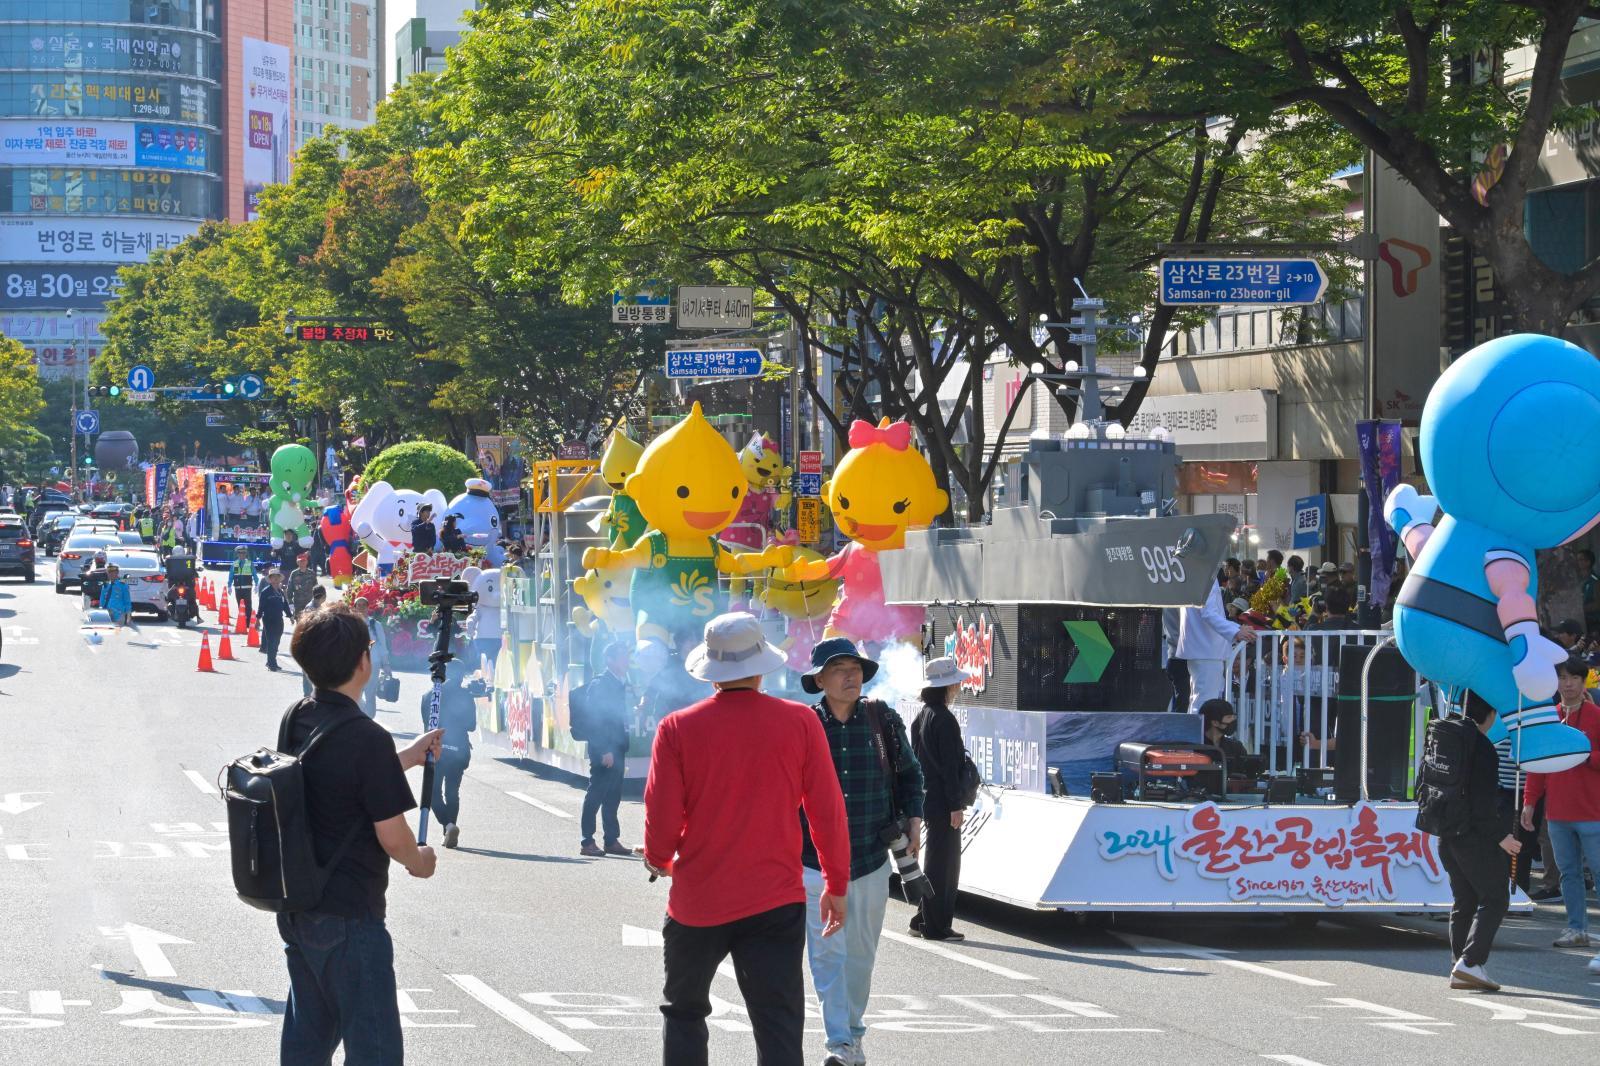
pixel 913 882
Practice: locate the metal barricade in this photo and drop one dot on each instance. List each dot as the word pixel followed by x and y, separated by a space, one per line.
pixel 1285 686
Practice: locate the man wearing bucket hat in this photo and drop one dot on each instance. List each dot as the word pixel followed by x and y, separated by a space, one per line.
pixel 726 776
pixel 882 786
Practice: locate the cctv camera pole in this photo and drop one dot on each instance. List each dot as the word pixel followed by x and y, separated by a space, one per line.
pixel 444 616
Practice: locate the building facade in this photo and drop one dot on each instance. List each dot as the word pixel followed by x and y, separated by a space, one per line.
pixel 336 65
pixel 111 148
pixel 416 34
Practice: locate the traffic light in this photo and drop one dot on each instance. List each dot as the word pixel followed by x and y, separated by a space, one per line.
pixel 228 389
pixel 113 391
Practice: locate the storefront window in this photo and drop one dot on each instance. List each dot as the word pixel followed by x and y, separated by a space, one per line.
pixel 92 48
pixel 183 14
pixel 86 95
pixel 61 190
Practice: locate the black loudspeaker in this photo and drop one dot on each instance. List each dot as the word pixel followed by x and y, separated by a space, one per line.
pixel 1058 784
pixel 1282 790
pixel 1105 788
pixel 1391 694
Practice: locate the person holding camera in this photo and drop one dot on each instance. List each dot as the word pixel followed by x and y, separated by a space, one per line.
pixel 883 797
pixel 340 954
pixel 458 717
pixel 936 741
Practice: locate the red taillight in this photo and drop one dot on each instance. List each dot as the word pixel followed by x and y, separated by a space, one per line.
pixel 24 543
pixel 155 577
pixel 71 555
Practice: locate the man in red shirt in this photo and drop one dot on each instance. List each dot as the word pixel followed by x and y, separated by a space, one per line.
pixel 726 776
pixel 1572 806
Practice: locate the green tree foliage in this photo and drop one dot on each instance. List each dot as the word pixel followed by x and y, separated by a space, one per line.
pixel 420 465
pixel 1421 83
pixel 21 398
pixel 908 224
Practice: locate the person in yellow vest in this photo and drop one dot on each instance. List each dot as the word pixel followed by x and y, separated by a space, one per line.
pixel 242 579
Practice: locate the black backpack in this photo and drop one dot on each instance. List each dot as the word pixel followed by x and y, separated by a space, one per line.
pixel 275 864
pixel 971 781
pixel 1444 809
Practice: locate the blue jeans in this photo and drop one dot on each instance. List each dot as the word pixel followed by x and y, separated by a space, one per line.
pixel 341 988
pixel 1575 844
pixel 841 965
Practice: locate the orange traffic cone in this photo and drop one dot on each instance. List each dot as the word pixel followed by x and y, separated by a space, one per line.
pixel 254 639
pixel 204 665
pixel 222 615
pixel 238 623
pixel 225 647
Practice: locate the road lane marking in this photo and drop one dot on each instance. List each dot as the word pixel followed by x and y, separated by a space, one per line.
pixel 956 956
pixel 635 937
pixel 201 783
pixel 1291 1060
pixel 13 803
pixel 146 945
pixel 527 1021
pixel 547 808
pixel 1146 945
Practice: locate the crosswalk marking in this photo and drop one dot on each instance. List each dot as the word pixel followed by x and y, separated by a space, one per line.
pixel 527 1021
pixel 201 783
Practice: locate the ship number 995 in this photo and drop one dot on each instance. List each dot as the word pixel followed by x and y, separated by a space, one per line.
pixel 1162 565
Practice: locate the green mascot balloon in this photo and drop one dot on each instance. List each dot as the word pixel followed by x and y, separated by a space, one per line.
pixel 294 468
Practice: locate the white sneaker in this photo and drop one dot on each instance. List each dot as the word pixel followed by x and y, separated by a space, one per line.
pixel 1572 938
pixel 1594 964
pixel 451 835
pixel 1473 978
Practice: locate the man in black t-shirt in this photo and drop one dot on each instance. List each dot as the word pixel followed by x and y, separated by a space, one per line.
pixel 341 959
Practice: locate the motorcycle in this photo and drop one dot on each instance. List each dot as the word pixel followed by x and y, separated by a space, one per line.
pixel 181 604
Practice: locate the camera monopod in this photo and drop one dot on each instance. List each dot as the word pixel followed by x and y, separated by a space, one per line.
pixel 445 596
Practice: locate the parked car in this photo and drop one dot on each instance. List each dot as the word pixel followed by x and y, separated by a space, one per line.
pixel 77 552
pixel 146 578
pixel 16 550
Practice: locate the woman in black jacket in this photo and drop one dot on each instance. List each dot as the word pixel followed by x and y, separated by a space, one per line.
pixel 936 740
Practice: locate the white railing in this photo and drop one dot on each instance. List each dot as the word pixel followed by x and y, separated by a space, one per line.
pixel 1285 684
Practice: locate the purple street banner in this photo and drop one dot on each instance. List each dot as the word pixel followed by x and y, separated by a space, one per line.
pixel 1378 443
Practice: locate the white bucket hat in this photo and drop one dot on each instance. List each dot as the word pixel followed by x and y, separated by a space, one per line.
pixel 942 672
pixel 734 647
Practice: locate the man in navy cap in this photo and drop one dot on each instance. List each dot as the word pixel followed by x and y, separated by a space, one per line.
pixel 882 786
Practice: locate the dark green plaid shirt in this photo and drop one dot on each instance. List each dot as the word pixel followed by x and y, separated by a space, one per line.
pixel 866 791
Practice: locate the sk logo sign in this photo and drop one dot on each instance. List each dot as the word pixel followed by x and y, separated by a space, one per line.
pixel 1401 276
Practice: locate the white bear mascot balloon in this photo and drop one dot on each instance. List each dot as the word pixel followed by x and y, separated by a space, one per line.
pixel 382 520
pixel 479 519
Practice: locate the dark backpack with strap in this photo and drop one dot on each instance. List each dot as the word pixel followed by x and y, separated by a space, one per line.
pixel 1444 808
pixel 274 852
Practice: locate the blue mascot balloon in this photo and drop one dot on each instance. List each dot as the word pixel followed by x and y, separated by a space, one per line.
pixel 1508 449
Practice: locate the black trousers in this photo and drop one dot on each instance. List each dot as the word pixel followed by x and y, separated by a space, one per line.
pixel 242 596
pixel 1178 674
pixel 941 861
pixel 1480 884
pixel 766 950
pixel 1529 841
pixel 604 797
pixel 447 775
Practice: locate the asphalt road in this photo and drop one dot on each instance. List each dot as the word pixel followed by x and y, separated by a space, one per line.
pixel 125 944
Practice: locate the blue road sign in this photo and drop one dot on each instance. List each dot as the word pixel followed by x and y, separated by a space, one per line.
pixel 251 386
pixel 1273 282
pixel 88 422
pixel 713 363
pixel 808 484
pixel 141 378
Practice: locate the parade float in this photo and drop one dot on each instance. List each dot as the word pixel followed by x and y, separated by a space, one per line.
pixel 1097 797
